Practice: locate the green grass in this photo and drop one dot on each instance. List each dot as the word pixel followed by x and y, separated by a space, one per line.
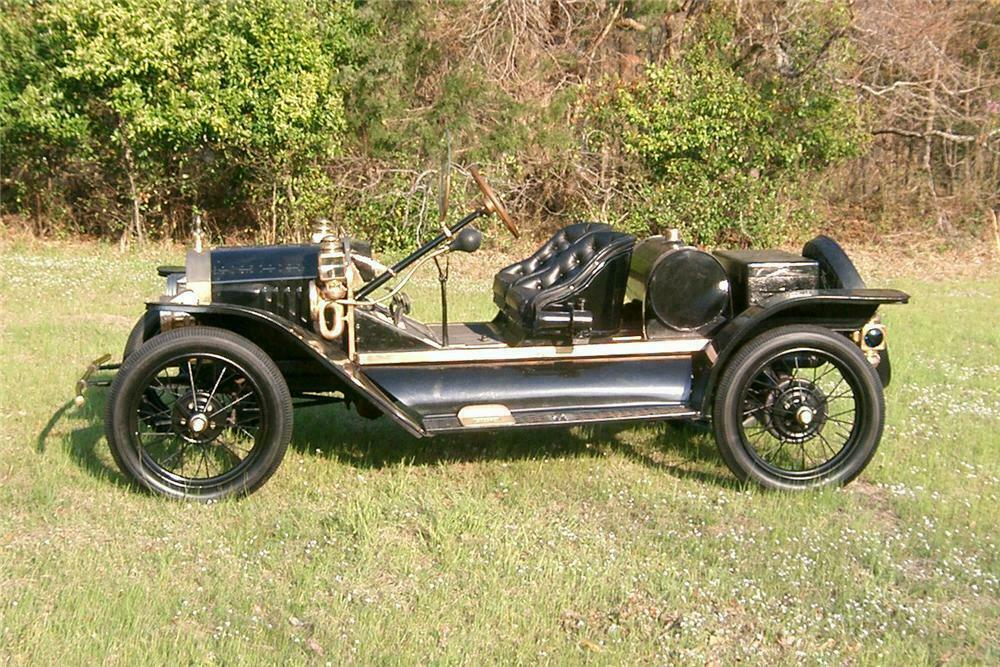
pixel 604 545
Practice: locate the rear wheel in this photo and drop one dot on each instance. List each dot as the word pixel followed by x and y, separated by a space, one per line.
pixel 798 407
pixel 199 413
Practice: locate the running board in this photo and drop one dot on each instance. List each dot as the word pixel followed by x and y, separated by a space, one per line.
pixel 500 419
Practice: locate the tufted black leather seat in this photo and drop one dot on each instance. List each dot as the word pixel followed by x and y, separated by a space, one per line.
pixel 561 240
pixel 592 269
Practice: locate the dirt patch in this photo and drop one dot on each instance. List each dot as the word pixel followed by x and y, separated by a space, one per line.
pixel 910 256
pixel 876 499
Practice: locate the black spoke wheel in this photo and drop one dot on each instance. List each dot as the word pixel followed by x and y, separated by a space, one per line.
pixel 798 407
pixel 199 413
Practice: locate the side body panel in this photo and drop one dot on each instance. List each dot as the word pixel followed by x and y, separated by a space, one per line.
pixel 535 393
pixel 429 396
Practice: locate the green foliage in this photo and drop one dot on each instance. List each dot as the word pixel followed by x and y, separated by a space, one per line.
pixel 409 84
pixel 270 114
pixel 720 146
pixel 189 99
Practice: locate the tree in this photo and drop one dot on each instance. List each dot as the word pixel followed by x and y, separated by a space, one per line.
pixel 931 80
pixel 724 128
pixel 180 99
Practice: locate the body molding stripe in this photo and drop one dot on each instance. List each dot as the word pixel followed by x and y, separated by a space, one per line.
pixel 643 348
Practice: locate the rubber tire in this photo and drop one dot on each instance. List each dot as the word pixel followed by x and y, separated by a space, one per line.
pixel 837 268
pixel 135 338
pixel 727 410
pixel 275 398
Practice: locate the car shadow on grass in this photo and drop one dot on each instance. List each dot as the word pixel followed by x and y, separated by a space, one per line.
pixel 85 426
pixel 335 432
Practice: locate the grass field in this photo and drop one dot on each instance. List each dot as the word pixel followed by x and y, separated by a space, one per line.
pixel 605 545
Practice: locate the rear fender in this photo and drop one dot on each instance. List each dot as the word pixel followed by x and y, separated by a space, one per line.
pixel 842 310
pixel 299 349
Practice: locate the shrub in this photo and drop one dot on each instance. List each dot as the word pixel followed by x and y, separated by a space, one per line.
pixel 720 146
pixel 173 104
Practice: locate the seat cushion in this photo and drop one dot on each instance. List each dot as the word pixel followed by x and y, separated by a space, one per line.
pixel 561 240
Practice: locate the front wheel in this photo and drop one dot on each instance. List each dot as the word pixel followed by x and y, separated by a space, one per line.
pixel 199 413
pixel 798 407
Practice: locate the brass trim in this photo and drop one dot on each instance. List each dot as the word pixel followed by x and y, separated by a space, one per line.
pixel 175 319
pixel 81 384
pixel 535 352
pixel 198 270
pixel 859 335
pixel 352 351
pixel 864 332
pixel 712 353
pixel 486 414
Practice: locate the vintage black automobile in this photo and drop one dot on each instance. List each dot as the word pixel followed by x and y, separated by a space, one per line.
pixel 784 354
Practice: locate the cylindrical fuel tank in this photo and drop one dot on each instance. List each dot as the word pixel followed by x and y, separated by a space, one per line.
pixel 680 287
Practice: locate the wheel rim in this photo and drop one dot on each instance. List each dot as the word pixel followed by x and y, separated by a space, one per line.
pixel 198 420
pixel 800 413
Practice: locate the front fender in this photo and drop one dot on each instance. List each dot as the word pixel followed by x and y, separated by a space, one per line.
pixel 255 324
pixel 843 310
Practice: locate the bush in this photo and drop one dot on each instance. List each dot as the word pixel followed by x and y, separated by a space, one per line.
pixel 173 104
pixel 722 118
pixel 720 147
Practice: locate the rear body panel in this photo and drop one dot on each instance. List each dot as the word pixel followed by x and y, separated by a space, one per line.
pixel 841 310
pixel 757 275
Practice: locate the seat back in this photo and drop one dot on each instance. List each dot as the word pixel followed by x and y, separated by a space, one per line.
pixel 590 274
pixel 541 258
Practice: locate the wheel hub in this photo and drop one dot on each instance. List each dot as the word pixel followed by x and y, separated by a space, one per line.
pixel 804 415
pixel 194 417
pixel 796 410
pixel 198 423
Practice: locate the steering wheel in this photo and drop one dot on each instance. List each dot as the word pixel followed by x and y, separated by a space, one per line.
pixel 493 203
